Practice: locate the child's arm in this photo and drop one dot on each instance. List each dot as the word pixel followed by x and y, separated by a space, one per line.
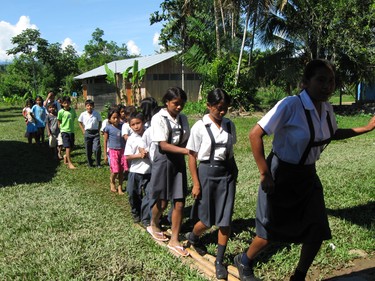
pixel 192 162
pixel 341 134
pixel 82 127
pixel 105 146
pixel 171 148
pixel 47 128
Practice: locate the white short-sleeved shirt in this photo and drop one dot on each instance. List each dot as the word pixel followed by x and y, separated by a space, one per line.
pixel 147 144
pixel 159 129
pixel 140 166
pixel 287 121
pixel 90 121
pixel 126 130
pixel 104 124
pixel 200 141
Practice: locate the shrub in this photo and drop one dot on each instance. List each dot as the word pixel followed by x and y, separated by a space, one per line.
pixel 267 97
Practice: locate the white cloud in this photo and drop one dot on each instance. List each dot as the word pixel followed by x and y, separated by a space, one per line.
pixel 133 48
pixel 67 41
pixel 7 31
pixel 155 42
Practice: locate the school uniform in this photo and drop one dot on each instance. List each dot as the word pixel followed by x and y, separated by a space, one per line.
pixel 138 178
pixel 92 136
pixel 168 174
pixel 295 212
pixel 217 171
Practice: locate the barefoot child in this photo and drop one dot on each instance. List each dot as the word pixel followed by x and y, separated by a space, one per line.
pixel 66 117
pixel 39 112
pixel 115 144
pixel 31 129
pixel 53 131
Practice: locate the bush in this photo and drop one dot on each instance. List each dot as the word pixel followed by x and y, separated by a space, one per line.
pixel 267 97
pixel 195 108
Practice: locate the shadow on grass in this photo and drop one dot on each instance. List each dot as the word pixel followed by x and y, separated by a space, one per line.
pixel 362 215
pixel 22 163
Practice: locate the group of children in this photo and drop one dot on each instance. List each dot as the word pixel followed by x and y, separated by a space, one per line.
pixel 150 144
pixel 57 118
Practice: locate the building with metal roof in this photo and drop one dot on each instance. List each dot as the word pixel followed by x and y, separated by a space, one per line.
pixel 162 72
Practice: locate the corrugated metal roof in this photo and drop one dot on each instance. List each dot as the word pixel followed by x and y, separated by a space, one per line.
pixel 120 66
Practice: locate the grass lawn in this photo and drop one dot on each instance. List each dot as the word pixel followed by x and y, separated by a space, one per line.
pixel 60 224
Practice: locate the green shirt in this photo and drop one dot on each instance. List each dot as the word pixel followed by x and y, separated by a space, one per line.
pixel 66 118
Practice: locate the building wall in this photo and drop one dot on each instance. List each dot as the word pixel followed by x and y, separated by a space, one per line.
pixel 169 74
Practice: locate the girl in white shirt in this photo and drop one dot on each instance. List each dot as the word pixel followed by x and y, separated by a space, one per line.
pixel 290 205
pixel 214 181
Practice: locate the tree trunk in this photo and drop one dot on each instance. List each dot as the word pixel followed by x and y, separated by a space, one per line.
pixel 216 12
pixel 242 46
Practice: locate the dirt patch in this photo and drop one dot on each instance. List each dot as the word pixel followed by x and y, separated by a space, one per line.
pixel 361 269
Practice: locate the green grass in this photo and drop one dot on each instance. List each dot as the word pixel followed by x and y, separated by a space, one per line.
pixel 59 224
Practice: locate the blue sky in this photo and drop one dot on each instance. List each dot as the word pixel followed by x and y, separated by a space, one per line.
pixel 73 22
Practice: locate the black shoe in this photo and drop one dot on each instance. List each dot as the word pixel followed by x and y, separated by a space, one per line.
pixel 198 246
pixel 221 271
pixel 246 272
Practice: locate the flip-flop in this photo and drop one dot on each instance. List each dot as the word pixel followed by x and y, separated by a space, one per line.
pixel 157 235
pixel 179 250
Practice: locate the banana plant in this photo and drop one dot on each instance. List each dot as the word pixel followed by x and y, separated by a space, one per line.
pixel 136 81
pixel 112 79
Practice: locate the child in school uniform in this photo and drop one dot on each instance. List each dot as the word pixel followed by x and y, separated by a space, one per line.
pixel 90 123
pixel 214 181
pixel 116 145
pixel 140 166
pixel 170 132
pixel 290 206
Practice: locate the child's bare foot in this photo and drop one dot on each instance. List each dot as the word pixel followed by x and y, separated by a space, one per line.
pixel 71 166
pixel 113 188
pixel 65 160
pixel 119 190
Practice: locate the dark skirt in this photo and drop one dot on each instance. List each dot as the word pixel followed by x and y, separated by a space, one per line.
pixel 168 177
pixel 218 188
pixel 295 212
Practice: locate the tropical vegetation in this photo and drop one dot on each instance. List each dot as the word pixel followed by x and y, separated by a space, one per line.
pixel 244 46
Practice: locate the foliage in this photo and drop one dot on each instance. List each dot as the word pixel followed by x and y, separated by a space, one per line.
pixel 267 97
pixel 136 81
pixel 195 108
pixel 99 52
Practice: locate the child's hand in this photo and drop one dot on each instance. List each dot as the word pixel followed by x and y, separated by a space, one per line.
pixel 106 159
pixel 196 191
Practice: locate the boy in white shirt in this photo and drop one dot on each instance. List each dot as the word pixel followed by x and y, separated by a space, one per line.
pixel 140 168
pixel 90 122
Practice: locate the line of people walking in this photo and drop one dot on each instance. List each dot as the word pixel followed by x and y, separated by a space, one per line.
pixel 149 145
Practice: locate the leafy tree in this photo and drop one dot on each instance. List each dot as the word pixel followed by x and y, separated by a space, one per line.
pixel 99 52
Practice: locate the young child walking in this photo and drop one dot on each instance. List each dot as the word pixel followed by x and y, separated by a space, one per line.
pixel 170 132
pixel 214 181
pixel 66 117
pixel 90 123
pixel 53 131
pixel 39 113
pixel 116 145
pixel 140 166
pixel 290 206
pixel 31 129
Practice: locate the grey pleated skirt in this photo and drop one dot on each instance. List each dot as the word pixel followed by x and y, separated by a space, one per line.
pixel 168 177
pixel 296 211
pixel 218 187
